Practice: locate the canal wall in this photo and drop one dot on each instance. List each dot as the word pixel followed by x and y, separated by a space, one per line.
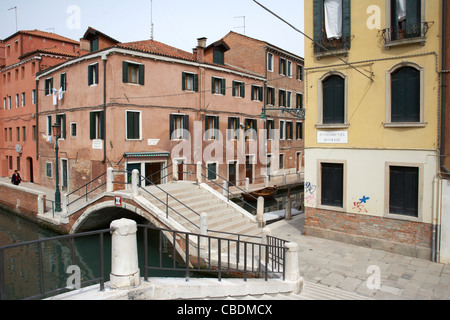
pixel 23 201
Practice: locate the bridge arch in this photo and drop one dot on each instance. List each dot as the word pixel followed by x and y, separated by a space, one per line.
pixel 100 216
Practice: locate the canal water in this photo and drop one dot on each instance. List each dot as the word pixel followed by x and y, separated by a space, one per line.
pixel 21 264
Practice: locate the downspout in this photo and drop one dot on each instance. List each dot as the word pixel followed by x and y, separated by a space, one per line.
pixel 444 85
pixel 105 60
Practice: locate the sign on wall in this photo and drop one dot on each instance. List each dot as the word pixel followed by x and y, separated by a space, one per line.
pixel 334 137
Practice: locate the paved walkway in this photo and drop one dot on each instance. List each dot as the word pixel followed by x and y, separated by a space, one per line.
pixel 353 268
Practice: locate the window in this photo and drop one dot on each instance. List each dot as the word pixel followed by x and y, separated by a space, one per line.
pixel 270 98
pixel 24 134
pixel 218 86
pixel 23 99
pixel 48 169
pixel 211 128
pixel 61 119
pixel 332 184
pixel 270 62
pixel 299 101
pixel 17 100
pixel 284 98
pixel 9 102
pixel 233 128
pixel 281 161
pixel 332 25
pixel 133 73
pixel 73 129
pixel 405 95
pixel 257 93
pixel 289 130
pixel 48 86
pixel 96 123
pixel 18 133
pixel 93 74
pixel 4 103
pixel 333 100
pixel 299 72
pixel 133 125
pixel 63 81
pixel 49 125
pixel 283 67
pixel 404 191
pixel 251 129
pixel 270 129
pixel 281 129
pixel 218 57
pixel 189 81
pixel 33 97
pixel 238 89
pixel 405 20
pixel 212 171
pixel 299 131
pixel 179 127
pixel 94 45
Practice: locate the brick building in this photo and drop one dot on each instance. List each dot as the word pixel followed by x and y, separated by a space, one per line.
pixel 22 56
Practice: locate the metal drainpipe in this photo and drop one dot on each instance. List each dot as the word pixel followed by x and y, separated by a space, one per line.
pixel 105 60
pixel 444 84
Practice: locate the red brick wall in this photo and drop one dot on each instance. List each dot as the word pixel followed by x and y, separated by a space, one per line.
pixel 19 200
pixel 403 232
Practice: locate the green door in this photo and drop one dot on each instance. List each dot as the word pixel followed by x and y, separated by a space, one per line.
pixel 130 168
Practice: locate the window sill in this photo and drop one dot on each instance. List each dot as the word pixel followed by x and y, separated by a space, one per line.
pixel 395 43
pixel 398 216
pixel 405 124
pixel 331 208
pixel 331 53
pixel 333 126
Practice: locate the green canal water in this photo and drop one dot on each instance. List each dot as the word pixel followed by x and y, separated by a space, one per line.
pixel 21 265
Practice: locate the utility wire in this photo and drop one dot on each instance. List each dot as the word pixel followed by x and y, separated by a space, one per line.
pixel 315 42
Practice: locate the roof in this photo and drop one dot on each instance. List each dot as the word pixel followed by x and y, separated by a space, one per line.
pixel 155 47
pixel 91 32
pixel 54 50
pixel 43 34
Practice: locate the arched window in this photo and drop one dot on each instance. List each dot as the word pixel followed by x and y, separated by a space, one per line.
pixel 333 100
pixel 405 95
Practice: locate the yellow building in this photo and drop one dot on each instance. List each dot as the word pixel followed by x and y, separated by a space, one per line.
pixel 372 122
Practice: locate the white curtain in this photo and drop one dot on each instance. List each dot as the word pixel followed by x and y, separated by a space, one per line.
pixel 401 9
pixel 333 18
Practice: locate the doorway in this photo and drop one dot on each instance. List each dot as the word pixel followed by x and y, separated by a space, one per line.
pixel 153 173
pixel 232 172
pixel 30 169
pixel 249 168
pixel 130 168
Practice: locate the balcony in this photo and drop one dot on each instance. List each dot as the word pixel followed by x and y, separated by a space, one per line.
pixel 326 47
pixel 403 34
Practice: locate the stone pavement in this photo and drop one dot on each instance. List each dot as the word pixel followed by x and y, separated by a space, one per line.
pixel 354 269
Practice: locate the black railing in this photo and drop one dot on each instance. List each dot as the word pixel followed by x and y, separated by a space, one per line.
pixel 39 254
pixel 402 31
pixel 202 254
pixel 86 189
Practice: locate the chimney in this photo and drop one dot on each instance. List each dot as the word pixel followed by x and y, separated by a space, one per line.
pixel 199 52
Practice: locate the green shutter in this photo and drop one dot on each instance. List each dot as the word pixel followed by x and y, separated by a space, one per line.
pixel 242 90
pixel 183 81
pixel 141 74
pixel 196 82
pixel 92 125
pixel 318 20
pixel 125 72
pixel 232 91
pixel 223 87
pixel 346 23
pixel 212 85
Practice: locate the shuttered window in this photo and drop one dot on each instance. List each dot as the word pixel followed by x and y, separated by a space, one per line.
pixel 233 128
pixel 179 127
pixel 211 128
pixel 189 81
pixel 334 100
pixel 404 191
pixel 96 124
pixel 405 19
pixel 133 73
pixel 405 95
pixel 133 125
pixel 322 43
pixel 218 86
pixel 93 74
pixel 332 188
pixel 238 89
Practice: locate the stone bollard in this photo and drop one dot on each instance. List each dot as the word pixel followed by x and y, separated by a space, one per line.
pixel 260 213
pixel 124 257
pixel 109 179
pixel 225 189
pixel 135 182
pixel 288 209
pixel 204 232
pixel 247 184
pixel 292 270
pixel 266 181
pixel 199 173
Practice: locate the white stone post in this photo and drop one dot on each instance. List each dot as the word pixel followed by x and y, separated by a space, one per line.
pixel 225 189
pixel 65 204
pixel 41 204
pixel 199 172
pixel 292 269
pixel 284 179
pixel 135 180
pixel 247 184
pixel 109 179
pixel 204 232
pixel 175 170
pixel 266 181
pixel 260 212
pixel 124 256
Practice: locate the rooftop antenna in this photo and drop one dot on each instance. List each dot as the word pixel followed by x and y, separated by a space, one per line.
pixel 241 17
pixel 14 8
pixel 151 16
pixel 51 29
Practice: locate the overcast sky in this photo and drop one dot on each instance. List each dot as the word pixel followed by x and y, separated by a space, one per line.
pixel 176 22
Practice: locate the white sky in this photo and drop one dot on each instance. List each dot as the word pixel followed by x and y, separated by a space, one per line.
pixel 176 22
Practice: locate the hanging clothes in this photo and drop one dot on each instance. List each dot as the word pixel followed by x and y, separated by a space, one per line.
pixel 55 97
pixel 333 19
pixel 401 10
pixel 60 94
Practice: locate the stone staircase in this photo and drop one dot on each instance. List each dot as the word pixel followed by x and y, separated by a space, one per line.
pixel 190 200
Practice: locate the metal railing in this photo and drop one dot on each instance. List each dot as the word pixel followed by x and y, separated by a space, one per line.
pixel 86 191
pixel 403 31
pixel 43 292
pixel 202 254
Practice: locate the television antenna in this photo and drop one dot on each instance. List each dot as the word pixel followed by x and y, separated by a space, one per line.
pixel 151 17
pixel 242 27
pixel 14 8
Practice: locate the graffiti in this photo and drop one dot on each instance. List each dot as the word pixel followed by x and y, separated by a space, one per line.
pixel 310 190
pixel 360 205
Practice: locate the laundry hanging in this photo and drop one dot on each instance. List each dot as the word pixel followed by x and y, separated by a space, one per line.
pixel 401 10
pixel 55 97
pixel 333 19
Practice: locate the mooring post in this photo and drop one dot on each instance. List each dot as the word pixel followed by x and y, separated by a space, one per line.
pixel 135 181
pixel 124 255
pixel 292 272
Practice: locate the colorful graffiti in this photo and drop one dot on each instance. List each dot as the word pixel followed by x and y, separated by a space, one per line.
pixel 360 205
pixel 310 190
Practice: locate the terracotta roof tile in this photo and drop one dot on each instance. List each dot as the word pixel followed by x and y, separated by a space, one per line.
pixel 151 46
pixel 48 35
